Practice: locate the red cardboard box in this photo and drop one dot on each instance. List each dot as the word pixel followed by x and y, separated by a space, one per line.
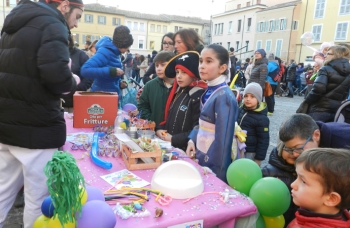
pixel 93 108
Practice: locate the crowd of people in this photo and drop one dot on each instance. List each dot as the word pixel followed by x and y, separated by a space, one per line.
pixel 185 92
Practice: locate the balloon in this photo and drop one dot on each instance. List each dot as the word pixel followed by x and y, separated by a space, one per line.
pixel 55 223
pixel 274 222
pixel 260 223
pixel 129 107
pixel 242 174
pixel 47 207
pixel 94 193
pixel 96 213
pixel 307 38
pixel 83 195
pixel 94 151
pixel 271 196
pixel 41 222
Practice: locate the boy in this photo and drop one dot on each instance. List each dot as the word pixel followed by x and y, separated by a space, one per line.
pixel 155 93
pixel 253 118
pixel 322 188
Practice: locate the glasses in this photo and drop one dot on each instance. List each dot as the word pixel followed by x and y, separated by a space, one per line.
pixel 329 53
pixel 168 44
pixel 297 150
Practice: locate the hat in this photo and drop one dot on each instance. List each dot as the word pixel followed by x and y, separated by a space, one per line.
pixel 187 61
pixel 238 67
pixel 255 89
pixel 262 52
pixel 122 37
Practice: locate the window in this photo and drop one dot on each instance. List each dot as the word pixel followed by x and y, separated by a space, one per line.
pixel 153 28
pixel 177 28
pixel 230 27
pixel 11 3
pixel 261 26
pixel 221 28
pixel 141 40
pixel 342 30
pixel 216 29
pixel 228 45
pixel 283 24
pixel 271 25
pixel 249 24
pixel 278 48
pixel 142 26
pixel 295 25
pixel 84 39
pixel 196 30
pixel 258 44
pixel 136 26
pixel 116 21
pixel 151 45
pixel 237 45
pixel 128 24
pixel 165 29
pixel 316 30
pixel 344 7
pixel 101 20
pixel 239 26
pixel 319 9
pixel 268 46
pixel 89 18
pixel 159 28
pixel 76 38
pixel 248 4
pixel 238 6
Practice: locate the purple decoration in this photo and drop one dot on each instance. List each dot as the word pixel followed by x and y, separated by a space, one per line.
pixel 94 194
pixel 96 213
pixel 129 107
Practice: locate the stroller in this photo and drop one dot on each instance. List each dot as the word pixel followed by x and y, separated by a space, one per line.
pixel 343 112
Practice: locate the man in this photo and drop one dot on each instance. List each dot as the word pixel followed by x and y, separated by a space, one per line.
pixel 135 69
pixel 128 61
pixel 233 61
pixel 87 45
pixel 34 72
pixel 291 74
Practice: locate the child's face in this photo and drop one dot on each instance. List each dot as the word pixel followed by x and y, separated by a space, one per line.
pixel 307 191
pixel 160 67
pixel 183 79
pixel 209 65
pixel 250 101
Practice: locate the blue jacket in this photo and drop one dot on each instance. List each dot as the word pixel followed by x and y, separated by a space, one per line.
pixel 102 67
pixel 272 68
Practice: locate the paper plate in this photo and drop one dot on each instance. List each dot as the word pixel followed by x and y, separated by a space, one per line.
pixel 178 179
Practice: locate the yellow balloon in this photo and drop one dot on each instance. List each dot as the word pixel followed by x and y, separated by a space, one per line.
pixel 83 196
pixel 41 222
pixel 55 223
pixel 274 222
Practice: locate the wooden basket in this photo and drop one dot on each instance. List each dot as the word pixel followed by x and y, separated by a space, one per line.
pixel 152 160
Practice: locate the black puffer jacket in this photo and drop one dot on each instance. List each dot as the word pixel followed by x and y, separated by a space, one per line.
pixel 34 73
pixel 330 87
pixel 291 72
pixel 259 72
pixel 256 123
pixel 280 169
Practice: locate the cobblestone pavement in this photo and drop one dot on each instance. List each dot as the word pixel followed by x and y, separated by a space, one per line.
pixel 284 108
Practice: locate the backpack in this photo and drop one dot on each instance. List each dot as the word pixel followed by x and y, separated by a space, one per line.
pixel 343 113
pixel 275 74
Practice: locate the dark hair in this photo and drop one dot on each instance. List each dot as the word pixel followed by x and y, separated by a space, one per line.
pixel 92 44
pixel 88 42
pixel 163 56
pixel 232 49
pixel 142 58
pixel 221 55
pixel 298 125
pixel 170 35
pixel 332 165
pixel 279 60
pixel 247 60
pixel 191 39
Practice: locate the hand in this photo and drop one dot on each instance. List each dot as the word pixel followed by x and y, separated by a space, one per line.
pixel 191 149
pixel 120 72
pixel 160 133
pixel 139 94
pixel 77 79
pixel 123 84
pixel 257 162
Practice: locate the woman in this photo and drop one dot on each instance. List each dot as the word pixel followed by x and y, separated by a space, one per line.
pixel 167 45
pixel 259 70
pixel 331 85
pixel 188 40
pixel 92 49
pixel 143 67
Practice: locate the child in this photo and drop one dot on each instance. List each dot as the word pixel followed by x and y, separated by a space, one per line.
pixel 155 93
pixel 182 108
pixel 213 140
pixel 253 118
pixel 322 188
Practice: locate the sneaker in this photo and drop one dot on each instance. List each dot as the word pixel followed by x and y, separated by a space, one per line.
pixel 270 113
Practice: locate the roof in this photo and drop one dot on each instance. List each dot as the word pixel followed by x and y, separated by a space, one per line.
pixel 96 7
pixel 278 6
pixel 243 9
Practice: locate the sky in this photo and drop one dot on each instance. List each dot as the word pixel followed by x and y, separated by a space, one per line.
pixel 192 8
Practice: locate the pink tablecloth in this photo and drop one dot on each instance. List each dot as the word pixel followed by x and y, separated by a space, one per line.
pixel 207 207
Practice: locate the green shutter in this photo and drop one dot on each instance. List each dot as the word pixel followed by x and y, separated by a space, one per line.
pixel 285 23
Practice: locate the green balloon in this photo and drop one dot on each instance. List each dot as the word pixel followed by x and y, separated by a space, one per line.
pixel 242 174
pixel 271 196
pixel 260 223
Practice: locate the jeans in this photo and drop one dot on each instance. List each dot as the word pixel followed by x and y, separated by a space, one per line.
pixel 290 88
pixel 322 116
pixel 136 75
pixel 127 73
pixel 270 100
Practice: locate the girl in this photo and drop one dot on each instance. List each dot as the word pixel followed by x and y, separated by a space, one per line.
pixel 213 139
pixel 182 108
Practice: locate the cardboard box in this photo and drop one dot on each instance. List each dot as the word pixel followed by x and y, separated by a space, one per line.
pixel 93 108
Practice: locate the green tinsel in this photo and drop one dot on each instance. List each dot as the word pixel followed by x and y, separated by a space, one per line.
pixel 66 185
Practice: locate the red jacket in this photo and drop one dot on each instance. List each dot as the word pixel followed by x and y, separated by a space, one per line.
pixel 318 222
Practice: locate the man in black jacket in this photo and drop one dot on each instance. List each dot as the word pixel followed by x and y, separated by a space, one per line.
pixel 34 72
pixel 291 73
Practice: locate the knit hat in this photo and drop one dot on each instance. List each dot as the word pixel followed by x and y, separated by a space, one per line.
pixel 255 89
pixel 238 67
pixel 187 61
pixel 262 52
pixel 77 3
pixel 122 37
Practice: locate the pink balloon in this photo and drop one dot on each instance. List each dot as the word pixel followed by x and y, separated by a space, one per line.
pixel 94 194
pixel 96 213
